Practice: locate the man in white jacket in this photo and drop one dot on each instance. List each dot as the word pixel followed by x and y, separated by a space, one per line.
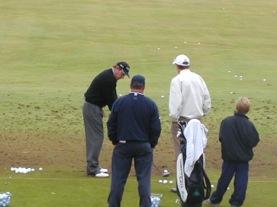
pixel 189 97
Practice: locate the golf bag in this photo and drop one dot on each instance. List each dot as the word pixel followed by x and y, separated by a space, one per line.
pixel 196 187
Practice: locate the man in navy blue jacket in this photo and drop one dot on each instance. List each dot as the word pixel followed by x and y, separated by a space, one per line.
pixel 134 128
pixel 238 137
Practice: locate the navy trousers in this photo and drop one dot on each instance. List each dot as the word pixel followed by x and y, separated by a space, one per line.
pixel 123 154
pixel 230 169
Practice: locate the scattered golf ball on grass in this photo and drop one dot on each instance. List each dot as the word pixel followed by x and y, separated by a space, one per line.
pixel 24 170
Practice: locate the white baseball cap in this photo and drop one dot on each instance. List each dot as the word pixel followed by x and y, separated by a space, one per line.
pixel 181 60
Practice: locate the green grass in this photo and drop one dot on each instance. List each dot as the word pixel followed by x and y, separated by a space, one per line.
pixel 73 189
pixel 51 50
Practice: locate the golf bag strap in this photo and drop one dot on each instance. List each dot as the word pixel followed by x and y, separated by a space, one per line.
pixel 207 183
pixel 181 129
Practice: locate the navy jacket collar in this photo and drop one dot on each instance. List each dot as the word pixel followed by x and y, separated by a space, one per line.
pixel 240 114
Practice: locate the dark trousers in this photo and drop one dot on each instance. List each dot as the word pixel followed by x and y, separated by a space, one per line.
pixel 123 154
pixel 229 169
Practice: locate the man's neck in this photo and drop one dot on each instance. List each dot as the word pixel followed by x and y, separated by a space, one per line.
pixel 137 91
pixel 183 70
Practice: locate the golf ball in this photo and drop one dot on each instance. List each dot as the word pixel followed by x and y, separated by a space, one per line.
pixel 165 181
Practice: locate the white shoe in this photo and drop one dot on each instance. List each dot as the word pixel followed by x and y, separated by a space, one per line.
pixel 101 175
pixel 165 173
pixel 103 170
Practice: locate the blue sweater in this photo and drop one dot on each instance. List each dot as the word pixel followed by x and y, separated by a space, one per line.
pixel 134 118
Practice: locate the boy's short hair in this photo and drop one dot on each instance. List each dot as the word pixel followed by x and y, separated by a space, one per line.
pixel 243 105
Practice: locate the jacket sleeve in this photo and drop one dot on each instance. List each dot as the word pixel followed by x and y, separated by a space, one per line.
pixel 206 98
pixel 110 95
pixel 175 99
pixel 112 126
pixel 253 136
pixel 220 131
pixel 155 128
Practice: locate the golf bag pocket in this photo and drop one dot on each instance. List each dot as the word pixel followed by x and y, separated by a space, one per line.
pixel 194 186
pixel 197 187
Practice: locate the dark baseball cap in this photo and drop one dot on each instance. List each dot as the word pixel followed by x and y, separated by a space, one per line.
pixel 124 66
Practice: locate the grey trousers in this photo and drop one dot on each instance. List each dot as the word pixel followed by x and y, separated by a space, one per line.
pixel 93 123
pixel 175 140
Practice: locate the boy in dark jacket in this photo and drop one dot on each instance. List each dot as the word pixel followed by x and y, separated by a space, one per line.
pixel 238 137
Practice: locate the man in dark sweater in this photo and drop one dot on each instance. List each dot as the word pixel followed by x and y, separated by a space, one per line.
pixel 134 128
pixel 101 93
pixel 238 137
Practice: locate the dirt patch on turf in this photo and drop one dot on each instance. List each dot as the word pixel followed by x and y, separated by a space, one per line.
pixel 35 150
pixel 68 153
